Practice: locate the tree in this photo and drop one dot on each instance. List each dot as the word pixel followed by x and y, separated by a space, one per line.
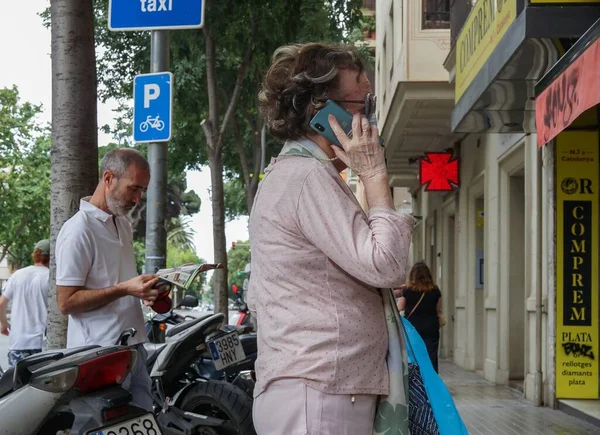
pixel 24 179
pixel 237 258
pixel 217 75
pixel 74 128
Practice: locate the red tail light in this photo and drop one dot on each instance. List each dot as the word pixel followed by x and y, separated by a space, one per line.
pixel 112 413
pixel 106 370
pixel 240 321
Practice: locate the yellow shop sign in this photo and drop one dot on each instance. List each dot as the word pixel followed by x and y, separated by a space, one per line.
pixel 577 183
pixel 486 24
pixel 563 1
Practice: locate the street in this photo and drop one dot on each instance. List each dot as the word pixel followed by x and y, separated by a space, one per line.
pixel 499 410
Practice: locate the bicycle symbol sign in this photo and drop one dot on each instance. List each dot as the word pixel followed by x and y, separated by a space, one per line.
pixel 153 107
pixel 151 122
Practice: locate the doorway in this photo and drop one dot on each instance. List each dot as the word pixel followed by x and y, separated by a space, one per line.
pixel 517 303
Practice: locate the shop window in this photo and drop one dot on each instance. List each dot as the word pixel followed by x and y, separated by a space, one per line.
pixel 436 14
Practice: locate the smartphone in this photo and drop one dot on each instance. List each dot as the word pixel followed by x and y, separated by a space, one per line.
pixel 320 122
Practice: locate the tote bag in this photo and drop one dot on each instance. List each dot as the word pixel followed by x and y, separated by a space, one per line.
pixel 446 415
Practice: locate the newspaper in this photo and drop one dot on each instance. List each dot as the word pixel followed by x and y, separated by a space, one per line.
pixel 183 276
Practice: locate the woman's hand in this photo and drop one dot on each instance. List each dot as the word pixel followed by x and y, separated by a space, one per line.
pixel 362 152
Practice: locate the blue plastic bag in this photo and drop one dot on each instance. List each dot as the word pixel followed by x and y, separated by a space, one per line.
pixel 445 412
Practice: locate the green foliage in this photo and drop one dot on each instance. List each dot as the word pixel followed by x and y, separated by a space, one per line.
pixel 235 198
pixel 180 234
pixel 237 259
pixel 24 178
pixel 237 26
pixel 139 248
pixel 236 262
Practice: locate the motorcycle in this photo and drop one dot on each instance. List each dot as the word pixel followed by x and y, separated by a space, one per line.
pixel 74 391
pixel 197 369
pixel 159 327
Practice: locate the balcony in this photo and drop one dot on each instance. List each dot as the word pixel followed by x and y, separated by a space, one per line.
pixel 415 97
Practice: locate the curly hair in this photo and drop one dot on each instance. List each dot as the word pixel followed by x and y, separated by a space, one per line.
pixel 420 278
pixel 298 81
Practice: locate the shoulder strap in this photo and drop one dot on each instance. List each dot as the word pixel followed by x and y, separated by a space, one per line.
pixel 415 307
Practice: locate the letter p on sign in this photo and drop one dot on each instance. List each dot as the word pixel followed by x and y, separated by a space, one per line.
pixel 151 92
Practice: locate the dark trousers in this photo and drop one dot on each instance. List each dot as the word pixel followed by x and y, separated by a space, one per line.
pixel 432 345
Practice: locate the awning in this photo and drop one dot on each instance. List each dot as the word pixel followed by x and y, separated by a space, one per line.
pixel 570 87
pixel 498 91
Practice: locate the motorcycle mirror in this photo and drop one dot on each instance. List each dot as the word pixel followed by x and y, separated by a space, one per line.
pixel 189 301
pixel 125 336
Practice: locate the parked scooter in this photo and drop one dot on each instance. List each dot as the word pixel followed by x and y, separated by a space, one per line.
pixel 161 325
pixel 75 391
pixel 186 398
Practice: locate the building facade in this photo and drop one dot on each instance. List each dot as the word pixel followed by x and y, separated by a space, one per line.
pixel 466 85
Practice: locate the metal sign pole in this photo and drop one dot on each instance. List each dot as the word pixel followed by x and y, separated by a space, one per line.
pixel 156 202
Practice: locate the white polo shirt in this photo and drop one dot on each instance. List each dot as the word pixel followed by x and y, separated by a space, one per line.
pixel 90 252
pixel 27 288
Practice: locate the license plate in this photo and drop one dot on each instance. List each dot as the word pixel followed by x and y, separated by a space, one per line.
pixel 144 425
pixel 226 350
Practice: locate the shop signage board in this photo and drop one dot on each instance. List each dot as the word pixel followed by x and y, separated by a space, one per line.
pixel 485 26
pixel 439 172
pixel 573 92
pixel 577 352
pixel 562 1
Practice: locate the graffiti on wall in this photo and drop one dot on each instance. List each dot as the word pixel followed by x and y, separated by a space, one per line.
pixel 573 92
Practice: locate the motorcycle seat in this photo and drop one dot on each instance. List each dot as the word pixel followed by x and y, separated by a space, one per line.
pixel 185 325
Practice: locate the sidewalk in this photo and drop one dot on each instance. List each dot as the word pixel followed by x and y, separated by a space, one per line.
pixel 498 410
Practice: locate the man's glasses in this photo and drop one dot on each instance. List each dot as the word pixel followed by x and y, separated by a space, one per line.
pixel 369 104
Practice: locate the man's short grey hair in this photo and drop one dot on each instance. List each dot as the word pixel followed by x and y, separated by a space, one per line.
pixel 119 160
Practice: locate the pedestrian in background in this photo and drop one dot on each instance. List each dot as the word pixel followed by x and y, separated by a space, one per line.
pixel 27 288
pixel 318 260
pixel 421 301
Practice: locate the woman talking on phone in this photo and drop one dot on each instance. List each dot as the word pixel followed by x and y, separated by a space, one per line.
pixel 318 260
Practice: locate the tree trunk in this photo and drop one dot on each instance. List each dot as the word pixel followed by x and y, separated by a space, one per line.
pixel 252 186
pixel 219 241
pixel 214 129
pixel 74 129
pixel 251 176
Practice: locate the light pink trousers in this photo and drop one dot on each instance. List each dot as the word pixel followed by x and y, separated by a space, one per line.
pixel 290 407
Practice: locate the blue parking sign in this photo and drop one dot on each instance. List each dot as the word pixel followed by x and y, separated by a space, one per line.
pixel 152 107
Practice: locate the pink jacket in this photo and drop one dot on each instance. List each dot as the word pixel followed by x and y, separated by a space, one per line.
pixel 317 264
